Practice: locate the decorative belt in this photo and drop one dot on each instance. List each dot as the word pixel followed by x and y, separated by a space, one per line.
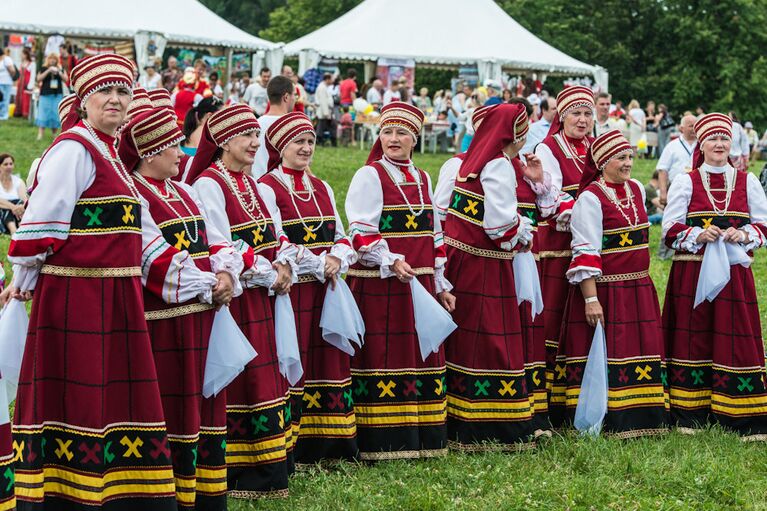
pixel 481 252
pixel 302 279
pixel 376 274
pixel 175 312
pixel 550 254
pixel 624 276
pixel 94 273
pixel 691 257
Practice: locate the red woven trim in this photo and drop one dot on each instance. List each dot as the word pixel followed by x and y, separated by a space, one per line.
pixel 586 261
pixel 28 248
pixel 361 240
pixel 155 281
pixel 248 258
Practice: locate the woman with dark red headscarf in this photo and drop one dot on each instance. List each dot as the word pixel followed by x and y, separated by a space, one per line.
pixel 563 154
pixel 488 399
pixel 715 349
pixel 399 397
pixel 257 415
pixel 612 286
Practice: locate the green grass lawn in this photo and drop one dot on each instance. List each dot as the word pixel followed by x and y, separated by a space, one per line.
pixel 710 471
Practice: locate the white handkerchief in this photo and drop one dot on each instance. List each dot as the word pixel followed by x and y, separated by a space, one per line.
pixel 592 401
pixel 14 323
pixel 341 321
pixel 527 283
pixel 4 402
pixel 288 354
pixel 432 322
pixel 737 255
pixel 229 351
pixel 715 268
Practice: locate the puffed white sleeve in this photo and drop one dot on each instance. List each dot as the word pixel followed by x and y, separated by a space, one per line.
pixel 342 247
pixel 586 228
pixel 169 273
pixel 558 206
pixel 66 171
pixel 445 185
pixel 440 254
pixel 676 233
pixel 287 253
pixel 364 204
pixel 258 269
pixel 502 222
pixel 757 210
pixel 223 256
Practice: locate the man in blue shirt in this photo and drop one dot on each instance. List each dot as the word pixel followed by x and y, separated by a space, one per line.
pixel 493 93
pixel 539 129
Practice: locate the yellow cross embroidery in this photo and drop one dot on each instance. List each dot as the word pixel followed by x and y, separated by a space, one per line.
pixel 643 373
pixel 313 399
pixel 561 372
pixel 281 415
pixel 440 386
pixel 536 380
pixel 386 388
pixel 309 235
pixel 472 207
pixel 411 223
pixel 181 241
pixel 19 448
pixel 507 388
pixel 128 216
pixel 63 449
pixel 132 447
pixel 257 236
pixel 625 240
pixel 707 222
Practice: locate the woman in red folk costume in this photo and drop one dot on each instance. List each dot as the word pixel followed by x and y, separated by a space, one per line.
pixel 610 267
pixel 563 154
pixel 256 400
pixel 488 398
pixel 88 412
pixel 715 350
pixel 160 98
pixel 7 457
pixel 140 104
pixel 188 269
pixel 321 403
pixel 400 401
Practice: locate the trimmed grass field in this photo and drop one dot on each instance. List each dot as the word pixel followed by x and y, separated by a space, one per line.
pixel 710 471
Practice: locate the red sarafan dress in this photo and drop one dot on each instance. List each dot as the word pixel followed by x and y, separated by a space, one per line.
pixel 400 401
pixel 180 252
pixel 563 159
pixel 715 350
pixel 610 243
pixel 7 457
pixel 321 404
pixel 488 396
pixel 89 423
pixel 257 411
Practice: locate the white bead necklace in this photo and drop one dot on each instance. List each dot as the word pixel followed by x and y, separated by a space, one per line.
pixel 116 163
pixel 613 197
pixel 173 194
pixel 260 220
pixel 728 187
pixel 293 195
pixel 402 192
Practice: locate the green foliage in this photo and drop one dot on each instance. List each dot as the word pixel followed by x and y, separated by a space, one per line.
pixel 252 16
pixel 297 18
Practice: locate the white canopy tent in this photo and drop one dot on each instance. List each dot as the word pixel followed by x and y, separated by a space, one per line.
pixel 434 32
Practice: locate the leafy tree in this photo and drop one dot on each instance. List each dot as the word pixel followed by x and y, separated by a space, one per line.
pixel 299 17
pixel 252 16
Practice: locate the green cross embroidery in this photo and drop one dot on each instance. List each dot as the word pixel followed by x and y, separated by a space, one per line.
pixel 223 444
pixel 259 424
pixel 530 214
pixel 456 200
pixel 481 387
pixel 108 455
pixel 235 237
pixel 11 478
pixel 697 376
pixel 664 378
pixel 605 239
pixel 362 388
pixel 42 447
pixel 288 412
pixel 745 383
pixel 194 454
pixel 386 222
pixel 93 216
pixel 348 397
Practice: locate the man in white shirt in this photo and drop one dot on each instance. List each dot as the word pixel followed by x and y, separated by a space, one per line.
pixel 603 122
pixel 256 95
pixel 282 99
pixel 539 129
pixel 675 160
pixel 324 99
pixel 375 94
pixel 392 93
pixel 739 151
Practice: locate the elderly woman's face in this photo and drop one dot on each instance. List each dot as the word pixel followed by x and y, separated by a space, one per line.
pixel 397 142
pixel 242 148
pixel 716 149
pixel 618 170
pixel 105 109
pixel 578 122
pixel 297 155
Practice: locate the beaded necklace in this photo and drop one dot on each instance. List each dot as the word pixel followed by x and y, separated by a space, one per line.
pixel 612 196
pixel 402 192
pixel 116 163
pixel 260 220
pixel 281 176
pixel 172 194
pixel 728 188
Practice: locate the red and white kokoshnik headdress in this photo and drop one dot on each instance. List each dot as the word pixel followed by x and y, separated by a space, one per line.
pixel 65 108
pixel 220 128
pixel 282 132
pixel 140 103
pixel 398 114
pixel 160 98
pixel 604 148
pixel 105 70
pixel 713 124
pixel 148 134
pixel 570 98
pixel 479 115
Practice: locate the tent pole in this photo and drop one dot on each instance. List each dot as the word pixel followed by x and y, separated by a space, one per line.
pixel 229 52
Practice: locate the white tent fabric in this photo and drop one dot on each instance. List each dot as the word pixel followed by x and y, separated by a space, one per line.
pixel 178 21
pixel 451 32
